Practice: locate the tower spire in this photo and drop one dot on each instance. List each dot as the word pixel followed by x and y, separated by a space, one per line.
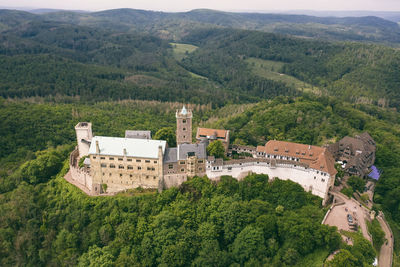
pixel 183 126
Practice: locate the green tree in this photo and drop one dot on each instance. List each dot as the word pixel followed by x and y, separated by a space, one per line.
pixel 166 134
pixel 248 244
pixel 343 259
pixel 216 149
pixel 96 257
pixel 357 183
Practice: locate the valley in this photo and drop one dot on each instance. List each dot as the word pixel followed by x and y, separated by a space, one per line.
pixel 290 78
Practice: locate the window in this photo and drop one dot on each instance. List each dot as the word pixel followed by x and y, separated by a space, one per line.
pixel 120 159
pixel 147 161
pixel 154 177
pixel 112 165
pixel 120 175
pixel 183 121
pixel 200 169
pixel 139 168
pixel 131 175
pixel 182 162
pixel 111 158
pixel 323 180
pixel 129 159
pixel 110 174
pixel 184 129
pixel 184 136
pixel 182 170
pixel 94 157
pixel 155 161
pixel 148 168
pixel 120 166
pixel 103 165
pixel 102 158
pixel 170 166
pixel 130 167
pixel 229 168
pixel 200 161
pixel 103 173
pixel 138 160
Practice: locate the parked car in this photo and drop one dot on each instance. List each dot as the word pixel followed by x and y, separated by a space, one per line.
pixel 349 218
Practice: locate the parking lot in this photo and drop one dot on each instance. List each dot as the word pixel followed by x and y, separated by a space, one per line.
pixel 338 217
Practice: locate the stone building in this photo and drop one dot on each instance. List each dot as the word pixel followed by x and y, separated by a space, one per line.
pixel 312 167
pixel 124 163
pixel 356 153
pixel 184 126
pixel 212 135
pixel 138 161
pixel 186 160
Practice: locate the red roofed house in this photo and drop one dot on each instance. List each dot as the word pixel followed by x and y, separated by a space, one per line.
pixel 212 135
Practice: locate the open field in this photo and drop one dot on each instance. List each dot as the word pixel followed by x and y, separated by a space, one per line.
pixel 269 69
pixel 181 50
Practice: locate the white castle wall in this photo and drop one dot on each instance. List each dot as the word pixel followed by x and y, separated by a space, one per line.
pixel 309 179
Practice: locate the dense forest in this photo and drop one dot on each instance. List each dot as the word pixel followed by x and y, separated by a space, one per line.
pixel 78 229
pixel 46 221
pixel 43 57
pixel 131 69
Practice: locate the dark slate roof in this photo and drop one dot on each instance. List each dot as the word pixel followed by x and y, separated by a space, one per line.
pixel 170 155
pixel 199 150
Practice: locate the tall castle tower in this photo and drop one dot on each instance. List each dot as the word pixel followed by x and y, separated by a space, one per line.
pixel 184 126
pixel 83 137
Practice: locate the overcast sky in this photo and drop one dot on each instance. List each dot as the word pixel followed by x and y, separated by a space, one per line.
pixel 228 5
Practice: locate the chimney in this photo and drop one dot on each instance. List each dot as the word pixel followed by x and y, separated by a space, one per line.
pixel 309 147
pixel 97 147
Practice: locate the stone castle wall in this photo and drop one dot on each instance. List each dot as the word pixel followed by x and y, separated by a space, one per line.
pixel 79 175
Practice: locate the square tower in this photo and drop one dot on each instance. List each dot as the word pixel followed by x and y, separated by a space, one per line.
pixel 184 126
pixel 83 137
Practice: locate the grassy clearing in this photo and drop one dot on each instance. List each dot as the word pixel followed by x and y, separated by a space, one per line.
pixel 181 50
pixel 270 70
pixel 315 259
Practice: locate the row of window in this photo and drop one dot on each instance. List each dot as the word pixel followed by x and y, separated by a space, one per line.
pixel 147 177
pixel 282 157
pixel 112 166
pixel 128 159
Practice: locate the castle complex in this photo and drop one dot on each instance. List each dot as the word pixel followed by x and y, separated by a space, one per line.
pixel 113 164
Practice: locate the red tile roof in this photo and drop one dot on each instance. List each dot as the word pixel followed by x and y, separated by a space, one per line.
pixel 316 157
pixel 211 132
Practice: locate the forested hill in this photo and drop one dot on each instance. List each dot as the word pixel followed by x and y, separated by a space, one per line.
pixel 43 58
pixel 176 25
pixel 46 221
pixel 350 71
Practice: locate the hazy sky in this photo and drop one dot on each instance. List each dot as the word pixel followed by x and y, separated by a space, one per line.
pixel 183 5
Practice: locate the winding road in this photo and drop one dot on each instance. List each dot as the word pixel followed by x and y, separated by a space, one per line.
pixel 386 253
